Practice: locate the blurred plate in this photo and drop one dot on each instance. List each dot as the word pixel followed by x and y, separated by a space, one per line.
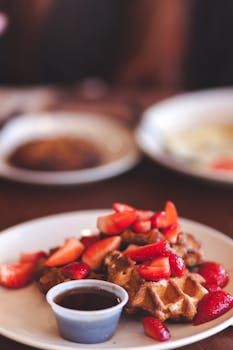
pixel 163 133
pixel 115 141
pixel 26 317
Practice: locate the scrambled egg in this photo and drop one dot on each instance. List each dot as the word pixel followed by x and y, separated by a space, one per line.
pixel 202 145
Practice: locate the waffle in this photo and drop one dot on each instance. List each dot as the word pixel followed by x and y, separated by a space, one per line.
pixel 175 298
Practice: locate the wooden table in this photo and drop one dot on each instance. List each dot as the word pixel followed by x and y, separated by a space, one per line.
pixel 146 186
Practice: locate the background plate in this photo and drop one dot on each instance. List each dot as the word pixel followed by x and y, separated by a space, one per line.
pixel 179 113
pixel 115 140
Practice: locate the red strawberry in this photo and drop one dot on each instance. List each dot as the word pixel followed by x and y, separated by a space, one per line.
pixel 32 257
pixel 89 240
pixel 120 207
pixel 165 218
pixel 131 247
pixel 16 276
pixel 141 214
pixel 171 212
pixel 155 329
pixel 94 255
pixel 148 251
pixel 159 219
pixel 214 273
pixel 213 305
pixel 76 270
pixel 211 287
pixel 223 164
pixel 141 226
pixel 144 214
pixel 177 265
pixel 70 251
pixel 156 269
pixel 171 232
pixel 117 222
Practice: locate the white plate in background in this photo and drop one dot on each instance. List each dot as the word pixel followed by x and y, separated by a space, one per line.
pixel 115 140
pixel 26 317
pixel 184 112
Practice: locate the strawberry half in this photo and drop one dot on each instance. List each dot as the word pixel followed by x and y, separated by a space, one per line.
pixel 32 257
pixel 214 273
pixel 141 226
pixel 165 218
pixel 89 240
pixel 16 276
pixel 117 222
pixel 94 255
pixel 120 207
pixel 155 328
pixel 171 232
pixel 76 270
pixel 141 214
pixel 148 251
pixel 213 305
pixel 223 164
pixel 70 251
pixel 156 269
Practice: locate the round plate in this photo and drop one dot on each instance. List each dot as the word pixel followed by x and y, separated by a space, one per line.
pixel 183 112
pixel 26 317
pixel 115 141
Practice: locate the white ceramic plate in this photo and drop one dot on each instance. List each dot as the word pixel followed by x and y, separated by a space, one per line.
pixel 180 113
pixel 115 140
pixel 26 317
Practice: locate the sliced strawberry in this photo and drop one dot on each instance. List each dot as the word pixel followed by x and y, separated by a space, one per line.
pixel 171 212
pixel 214 273
pixel 89 240
pixel 131 247
pixel 213 305
pixel 155 329
pixel 148 251
pixel 144 214
pixel 94 255
pixel 16 276
pixel 156 269
pixel 120 207
pixel 165 218
pixel 223 164
pixel 76 270
pixel 171 232
pixel 70 251
pixel 159 219
pixel 117 222
pixel 141 226
pixel 32 257
pixel 141 214
pixel 177 265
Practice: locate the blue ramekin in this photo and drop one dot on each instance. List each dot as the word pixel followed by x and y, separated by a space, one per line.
pixel 87 326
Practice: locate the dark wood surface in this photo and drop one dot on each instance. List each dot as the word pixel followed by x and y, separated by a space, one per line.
pixel 146 186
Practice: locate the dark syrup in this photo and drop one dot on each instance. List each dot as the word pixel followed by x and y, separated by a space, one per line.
pixel 87 299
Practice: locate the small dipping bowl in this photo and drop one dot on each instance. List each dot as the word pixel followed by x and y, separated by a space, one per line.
pixel 83 326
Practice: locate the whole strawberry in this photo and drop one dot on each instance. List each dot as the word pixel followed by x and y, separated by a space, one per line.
pixel 213 305
pixel 214 273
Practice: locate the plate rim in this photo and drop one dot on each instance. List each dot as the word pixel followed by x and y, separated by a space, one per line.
pixel 169 345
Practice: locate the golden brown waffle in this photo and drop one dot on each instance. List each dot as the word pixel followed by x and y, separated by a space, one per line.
pixel 174 298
